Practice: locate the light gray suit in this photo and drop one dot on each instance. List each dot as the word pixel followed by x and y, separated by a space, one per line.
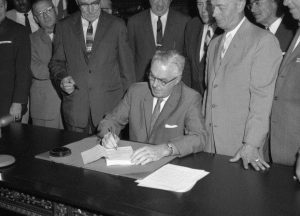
pixel 44 100
pixel 240 89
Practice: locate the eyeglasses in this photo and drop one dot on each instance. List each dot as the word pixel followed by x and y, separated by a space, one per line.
pixel 95 5
pixel 46 11
pixel 256 3
pixel 160 81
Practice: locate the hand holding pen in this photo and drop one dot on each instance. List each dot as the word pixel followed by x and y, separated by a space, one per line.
pixel 68 85
pixel 110 139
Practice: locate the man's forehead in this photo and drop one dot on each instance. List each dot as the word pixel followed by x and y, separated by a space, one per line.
pixel 201 1
pixel 88 1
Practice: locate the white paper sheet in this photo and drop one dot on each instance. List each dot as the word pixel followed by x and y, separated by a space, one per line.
pixel 173 178
pixel 120 156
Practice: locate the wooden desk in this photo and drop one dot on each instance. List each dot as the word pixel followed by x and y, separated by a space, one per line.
pixel 55 189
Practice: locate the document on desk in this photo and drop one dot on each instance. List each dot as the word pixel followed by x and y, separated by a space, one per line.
pixel 173 178
pixel 119 156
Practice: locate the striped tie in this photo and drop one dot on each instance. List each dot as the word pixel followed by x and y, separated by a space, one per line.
pixel 89 39
pixel 156 112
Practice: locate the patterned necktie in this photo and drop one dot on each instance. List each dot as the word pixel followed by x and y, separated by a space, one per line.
pixel 156 112
pixel 159 35
pixel 226 42
pixel 27 24
pixel 89 39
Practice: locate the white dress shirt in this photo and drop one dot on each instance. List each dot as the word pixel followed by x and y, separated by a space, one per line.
pixel 164 100
pixel 275 25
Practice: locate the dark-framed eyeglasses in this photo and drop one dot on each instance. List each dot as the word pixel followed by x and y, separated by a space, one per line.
pixel 161 82
pixel 45 11
pixel 94 4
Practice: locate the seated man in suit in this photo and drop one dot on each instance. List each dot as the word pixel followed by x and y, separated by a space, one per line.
pixel 44 99
pixel 272 15
pixel 164 112
pixel 159 27
pixel 198 34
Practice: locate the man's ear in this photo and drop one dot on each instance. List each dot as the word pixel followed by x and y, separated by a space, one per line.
pixel 241 5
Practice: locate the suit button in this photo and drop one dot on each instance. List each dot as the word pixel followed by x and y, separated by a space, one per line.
pixel 213 105
pixel 215 126
pixel 276 98
pixel 90 71
pixel 209 124
pixel 281 76
pixel 216 85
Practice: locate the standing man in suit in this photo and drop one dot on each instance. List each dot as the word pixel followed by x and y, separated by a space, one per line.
pixel 61 7
pixel 271 14
pixel 285 118
pixel 241 73
pixel 159 27
pixel 15 77
pixel 164 112
pixel 44 99
pixel 22 14
pixel 198 34
pixel 92 63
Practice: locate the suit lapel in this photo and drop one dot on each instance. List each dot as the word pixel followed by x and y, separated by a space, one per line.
pixel 78 30
pixel 45 37
pixel 197 50
pixel 149 36
pixel 289 54
pixel 147 107
pixel 217 58
pixel 169 107
pixel 102 26
pixel 170 31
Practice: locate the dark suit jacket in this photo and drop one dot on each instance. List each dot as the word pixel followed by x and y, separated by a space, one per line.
pixel 180 122
pixel 286 32
pixel 285 118
pixel 15 77
pixel 102 78
pixel 194 69
pixel 142 41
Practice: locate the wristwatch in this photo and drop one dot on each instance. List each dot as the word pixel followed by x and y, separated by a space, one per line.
pixel 171 149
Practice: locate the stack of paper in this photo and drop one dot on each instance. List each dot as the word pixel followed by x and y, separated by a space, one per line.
pixel 120 156
pixel 173 178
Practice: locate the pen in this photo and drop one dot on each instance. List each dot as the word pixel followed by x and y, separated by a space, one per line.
pixel 114 136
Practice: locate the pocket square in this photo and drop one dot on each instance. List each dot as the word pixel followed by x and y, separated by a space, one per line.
pixel 5 42
pixel 170 126
pixel 297 60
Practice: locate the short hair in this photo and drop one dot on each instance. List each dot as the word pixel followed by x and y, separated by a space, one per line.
pixel 170 57
pixel 35 2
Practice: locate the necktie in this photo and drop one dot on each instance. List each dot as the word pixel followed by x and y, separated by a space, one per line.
pixel 27 24
pixel 60 9
pixel 226 42
pixel 159 35
pixel 155 113
pixel 207 40
pixel 267 28
pixel 89 39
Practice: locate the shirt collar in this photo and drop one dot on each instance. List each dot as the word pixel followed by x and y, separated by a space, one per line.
pixel 275 25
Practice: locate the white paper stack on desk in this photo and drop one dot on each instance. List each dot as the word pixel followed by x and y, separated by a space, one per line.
pixel 119 156
pixel 173 178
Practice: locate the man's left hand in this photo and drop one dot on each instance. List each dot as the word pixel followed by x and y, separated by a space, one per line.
pixel 148 154
pixel 250 154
